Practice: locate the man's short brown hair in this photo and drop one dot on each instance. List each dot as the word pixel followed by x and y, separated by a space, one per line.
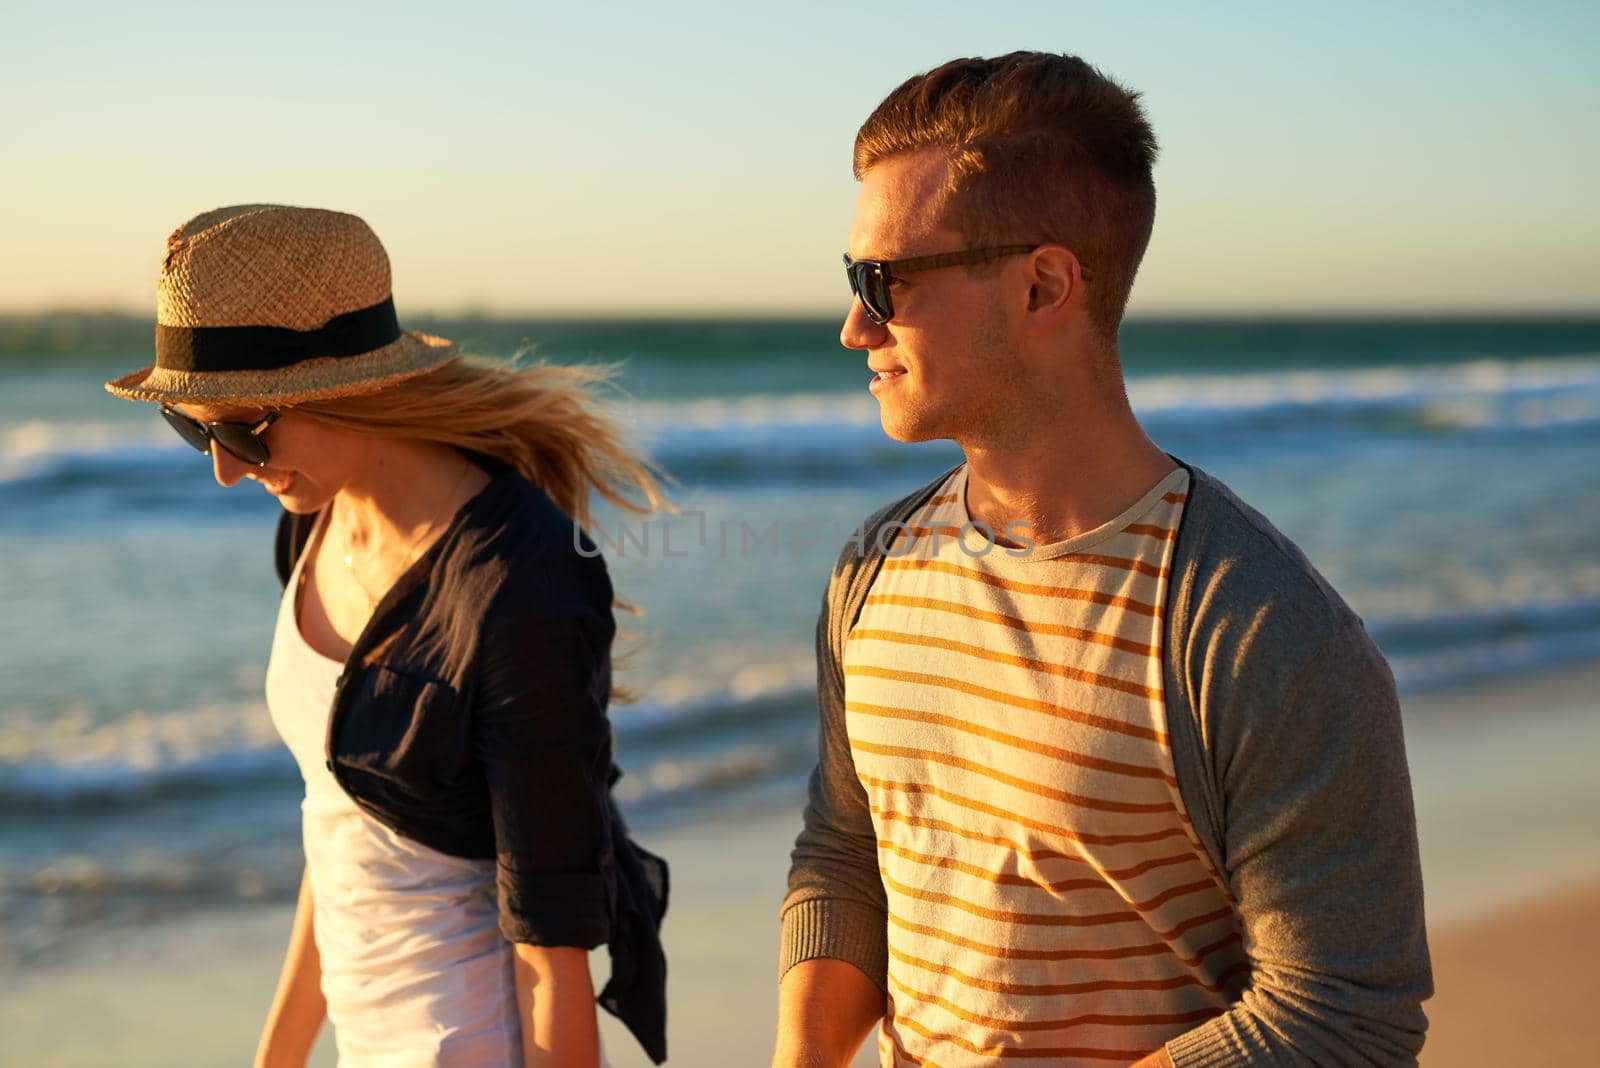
pixel 1040 148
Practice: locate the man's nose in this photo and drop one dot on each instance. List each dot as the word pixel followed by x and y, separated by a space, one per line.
pixel 858 331
pixel 227 467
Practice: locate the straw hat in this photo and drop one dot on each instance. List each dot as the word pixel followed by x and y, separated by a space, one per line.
pixel 267 305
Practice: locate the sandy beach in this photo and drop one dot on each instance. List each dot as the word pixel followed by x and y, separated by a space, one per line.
pixel 1508 933
pixel 1511 986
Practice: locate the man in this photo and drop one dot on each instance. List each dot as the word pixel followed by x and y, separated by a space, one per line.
pixel 1107 773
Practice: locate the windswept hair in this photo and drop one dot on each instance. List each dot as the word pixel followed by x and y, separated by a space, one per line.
pixel 1039 148
pixel 542 419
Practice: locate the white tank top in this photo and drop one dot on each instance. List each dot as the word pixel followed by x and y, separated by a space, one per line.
pixel 414 967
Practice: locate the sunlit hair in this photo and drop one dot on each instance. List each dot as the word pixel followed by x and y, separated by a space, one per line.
pixel 1040 148
pixel 542 419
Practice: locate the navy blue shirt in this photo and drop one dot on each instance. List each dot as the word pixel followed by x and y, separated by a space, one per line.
pixel 471 717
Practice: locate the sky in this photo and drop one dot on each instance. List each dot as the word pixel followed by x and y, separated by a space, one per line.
pixel 694 158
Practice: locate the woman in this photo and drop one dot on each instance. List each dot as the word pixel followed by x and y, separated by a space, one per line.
pixel 441 664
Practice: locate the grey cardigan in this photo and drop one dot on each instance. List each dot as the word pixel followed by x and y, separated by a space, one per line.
pixel 1290 759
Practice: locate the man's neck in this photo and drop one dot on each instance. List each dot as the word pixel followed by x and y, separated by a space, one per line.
pixel 1065 481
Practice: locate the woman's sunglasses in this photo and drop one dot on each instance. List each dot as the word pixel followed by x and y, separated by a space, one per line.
pixel 242 440
pixel 870 279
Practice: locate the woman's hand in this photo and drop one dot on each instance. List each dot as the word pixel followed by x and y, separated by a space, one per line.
pixel 555 1003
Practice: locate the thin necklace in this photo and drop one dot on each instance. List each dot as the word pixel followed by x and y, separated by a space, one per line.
pixel 350 556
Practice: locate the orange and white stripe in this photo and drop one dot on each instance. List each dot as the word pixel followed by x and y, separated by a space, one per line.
pixel 1048 899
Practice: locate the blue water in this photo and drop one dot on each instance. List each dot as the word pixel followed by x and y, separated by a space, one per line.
pixel 1444 475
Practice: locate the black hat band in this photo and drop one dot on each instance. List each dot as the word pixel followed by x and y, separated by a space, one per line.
pixel 271 348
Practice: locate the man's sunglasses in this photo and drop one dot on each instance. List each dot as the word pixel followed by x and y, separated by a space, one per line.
pixel 242 440
pixel 870 279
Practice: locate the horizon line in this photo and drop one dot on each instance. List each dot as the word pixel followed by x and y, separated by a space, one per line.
pixel 1241 312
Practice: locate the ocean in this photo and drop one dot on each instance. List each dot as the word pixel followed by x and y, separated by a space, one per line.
pixel 1443 473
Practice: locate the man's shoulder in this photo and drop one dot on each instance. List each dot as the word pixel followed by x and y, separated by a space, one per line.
pixel 863 551
pixel 1235 572
pixel 885 518
pixel 872 537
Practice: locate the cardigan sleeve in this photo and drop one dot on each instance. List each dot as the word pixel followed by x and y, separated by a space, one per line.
pixel 1299 769
pixel 836 906
pixel 543 740
pixel 1321 847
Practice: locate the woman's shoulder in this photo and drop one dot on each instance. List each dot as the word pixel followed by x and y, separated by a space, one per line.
pixel 293 532
pixel 534 557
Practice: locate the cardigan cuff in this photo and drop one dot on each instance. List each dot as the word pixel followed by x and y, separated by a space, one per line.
pixel 554 910
pixel 850 931
pixel 1208 1046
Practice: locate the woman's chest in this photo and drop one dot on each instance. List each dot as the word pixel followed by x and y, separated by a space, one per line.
pixel 333 609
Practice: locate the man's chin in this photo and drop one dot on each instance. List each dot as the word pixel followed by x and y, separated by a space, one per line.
pixel 906 431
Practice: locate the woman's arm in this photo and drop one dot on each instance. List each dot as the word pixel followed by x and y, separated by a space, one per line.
pixel 555 1002
pixel 298 1007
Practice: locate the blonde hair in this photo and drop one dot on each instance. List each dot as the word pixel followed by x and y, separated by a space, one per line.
pixel 542 419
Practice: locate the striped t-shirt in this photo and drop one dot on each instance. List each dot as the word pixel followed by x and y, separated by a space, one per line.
pixel 1048 900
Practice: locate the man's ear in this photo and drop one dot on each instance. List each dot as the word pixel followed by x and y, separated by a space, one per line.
pixel 1055 284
